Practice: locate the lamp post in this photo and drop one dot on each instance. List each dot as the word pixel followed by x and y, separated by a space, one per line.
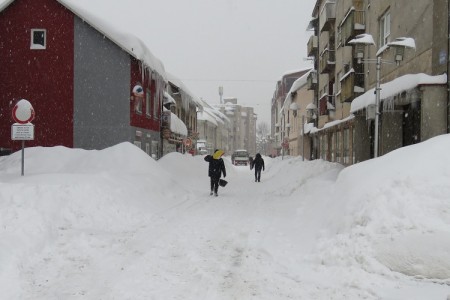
pixel 303 137
pixel 399 44
pixel 294 108
pixel 311 110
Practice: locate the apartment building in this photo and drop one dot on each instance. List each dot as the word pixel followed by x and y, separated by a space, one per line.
pixel 380 76
pixel 242 125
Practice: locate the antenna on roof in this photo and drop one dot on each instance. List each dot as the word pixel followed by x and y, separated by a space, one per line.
pixel 221 94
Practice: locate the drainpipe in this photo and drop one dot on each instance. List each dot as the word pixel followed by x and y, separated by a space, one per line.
pixel 448 67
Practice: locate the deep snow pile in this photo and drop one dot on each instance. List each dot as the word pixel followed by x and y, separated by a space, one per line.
pixel 115 224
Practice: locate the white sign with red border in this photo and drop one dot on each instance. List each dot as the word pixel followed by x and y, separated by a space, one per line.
pixel 23 112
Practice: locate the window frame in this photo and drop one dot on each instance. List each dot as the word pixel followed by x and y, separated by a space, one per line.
pixel 38 46
pixel 385 28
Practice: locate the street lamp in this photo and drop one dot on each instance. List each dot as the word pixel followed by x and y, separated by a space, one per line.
pixel 294 107
pixel 362 40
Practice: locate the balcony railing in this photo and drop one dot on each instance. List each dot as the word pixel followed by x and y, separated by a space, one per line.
pixel 327 61
pixel 327 16
pixel 313 43
pixel 352 25
pixel 352 85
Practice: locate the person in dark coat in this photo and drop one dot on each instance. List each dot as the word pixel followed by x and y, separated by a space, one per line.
pixel 216 169
pixel 258 164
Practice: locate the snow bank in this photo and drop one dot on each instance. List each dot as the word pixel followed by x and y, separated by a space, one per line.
pixel 115 223
pixel 396 209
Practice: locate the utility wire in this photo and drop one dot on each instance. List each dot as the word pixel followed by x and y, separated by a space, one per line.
pixel 230 80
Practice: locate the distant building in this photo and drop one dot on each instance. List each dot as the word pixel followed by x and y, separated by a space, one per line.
pixel 242 129
pixel 281 91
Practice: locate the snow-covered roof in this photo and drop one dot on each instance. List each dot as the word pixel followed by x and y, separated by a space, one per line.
pixel 127 41
pixel 394 87
pixel 308 127
pixel 311 106
pixel 186 94
pixel 364 38
pixel 294 71
pixel 332 124
pixel 168 99
pixel 298 84
pixel 176 125
pixel 207 117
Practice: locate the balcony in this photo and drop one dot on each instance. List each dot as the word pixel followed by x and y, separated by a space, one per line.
pixel 311 80
pixel 327 61
pixel 313 43
pixel 352 85
pixel 327 16
pixel 353 24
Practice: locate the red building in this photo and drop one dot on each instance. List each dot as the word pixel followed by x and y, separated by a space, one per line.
pixel 91 86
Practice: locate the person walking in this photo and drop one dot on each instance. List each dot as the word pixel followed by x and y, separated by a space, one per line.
pixel 215 170
pixel 258 164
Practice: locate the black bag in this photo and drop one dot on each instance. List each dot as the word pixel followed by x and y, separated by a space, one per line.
pixel 222 182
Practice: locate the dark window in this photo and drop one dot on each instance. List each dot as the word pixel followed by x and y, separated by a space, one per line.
pixel 38 39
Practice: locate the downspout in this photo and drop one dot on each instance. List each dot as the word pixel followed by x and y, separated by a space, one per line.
pixel 448 67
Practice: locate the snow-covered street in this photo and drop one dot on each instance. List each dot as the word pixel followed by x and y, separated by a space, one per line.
pixel 115 224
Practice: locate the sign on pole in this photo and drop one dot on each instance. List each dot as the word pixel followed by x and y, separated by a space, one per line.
pixel 22 130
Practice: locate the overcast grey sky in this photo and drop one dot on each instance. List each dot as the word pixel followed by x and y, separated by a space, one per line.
pixel 243 45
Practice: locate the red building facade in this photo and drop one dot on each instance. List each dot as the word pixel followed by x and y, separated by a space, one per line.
pixel 78 80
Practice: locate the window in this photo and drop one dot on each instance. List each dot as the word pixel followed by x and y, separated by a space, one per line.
pixel 148 100
pixel 385 28
pixel 147 148
pixel 38 39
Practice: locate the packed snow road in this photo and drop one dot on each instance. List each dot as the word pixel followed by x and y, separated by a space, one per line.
pixel 115 224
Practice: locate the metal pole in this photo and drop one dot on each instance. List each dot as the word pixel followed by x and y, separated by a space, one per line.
pixel 303 137
pixel 377 107
pixel 23 157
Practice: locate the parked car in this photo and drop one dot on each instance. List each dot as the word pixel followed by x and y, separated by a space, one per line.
pixel 240 157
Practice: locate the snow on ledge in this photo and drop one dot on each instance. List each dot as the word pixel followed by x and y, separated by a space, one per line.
pixel 394 87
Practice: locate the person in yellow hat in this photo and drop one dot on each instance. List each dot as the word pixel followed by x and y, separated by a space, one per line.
pixel 215 170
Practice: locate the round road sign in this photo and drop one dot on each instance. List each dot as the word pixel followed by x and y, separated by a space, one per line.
pixel 23 112
pixel 187 142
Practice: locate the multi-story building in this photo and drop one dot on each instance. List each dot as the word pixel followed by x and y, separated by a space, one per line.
pixel 409 54
pixel 278 138
pixel 91 87
pixel 242 126
pixel 298 119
